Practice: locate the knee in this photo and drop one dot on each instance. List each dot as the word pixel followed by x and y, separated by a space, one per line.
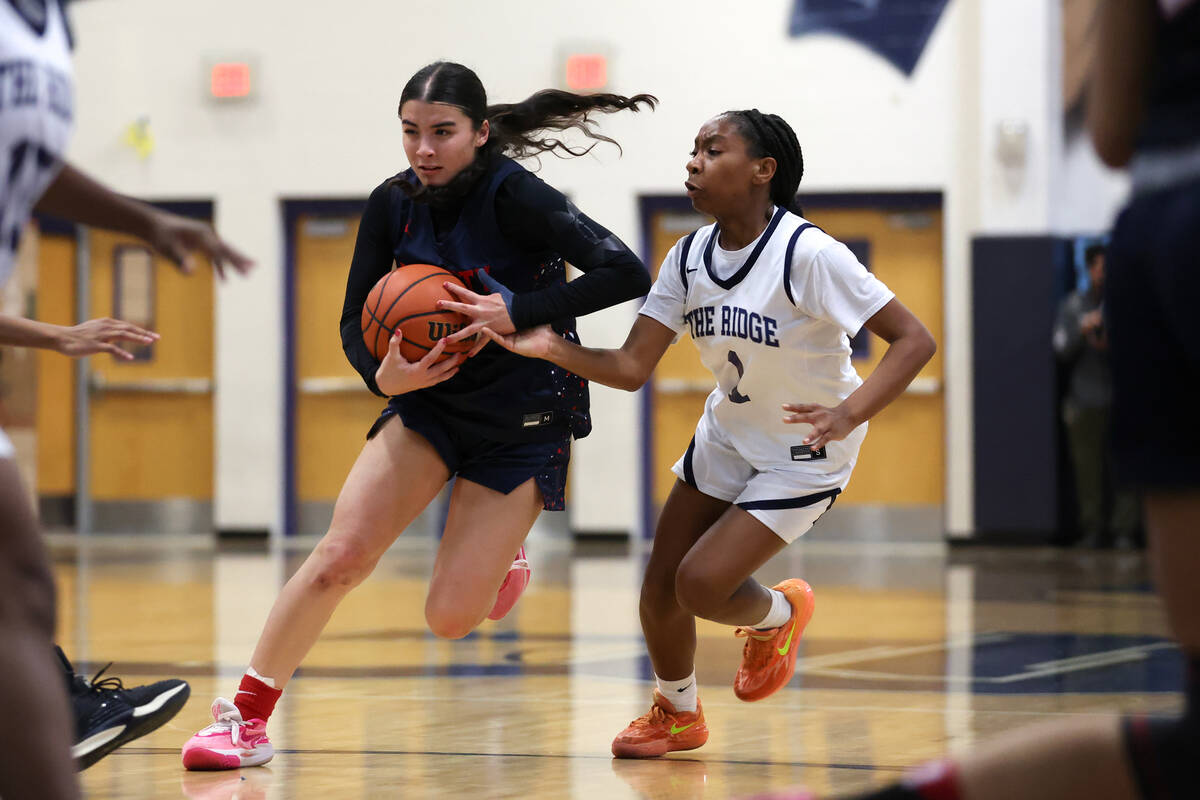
pixel 699 590
pixel 448 620
pixel 340 564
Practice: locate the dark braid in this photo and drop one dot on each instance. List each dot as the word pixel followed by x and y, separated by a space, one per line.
pixel 515 128
pixel 767 135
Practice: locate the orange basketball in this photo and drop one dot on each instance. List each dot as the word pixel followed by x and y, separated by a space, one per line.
pixel 406 300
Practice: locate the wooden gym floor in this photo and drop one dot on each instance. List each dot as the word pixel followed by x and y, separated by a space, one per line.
pixel 915 650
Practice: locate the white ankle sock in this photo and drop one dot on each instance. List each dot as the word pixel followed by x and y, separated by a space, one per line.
pixel 682 694
pixel 253 674
pixel 780 612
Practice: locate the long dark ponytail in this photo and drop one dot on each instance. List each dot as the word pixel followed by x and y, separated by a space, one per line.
pixel 768 135
pixel 515 128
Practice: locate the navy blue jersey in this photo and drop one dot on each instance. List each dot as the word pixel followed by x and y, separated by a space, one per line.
pixel 496 393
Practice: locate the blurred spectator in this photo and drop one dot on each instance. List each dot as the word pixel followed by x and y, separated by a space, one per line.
pixel 1107 516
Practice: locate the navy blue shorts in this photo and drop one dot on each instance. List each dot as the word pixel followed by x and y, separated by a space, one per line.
pixel 1152 293
pixel 501 466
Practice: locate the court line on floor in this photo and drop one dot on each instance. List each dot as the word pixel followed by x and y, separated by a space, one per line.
pixel 805 704
pixel 564 756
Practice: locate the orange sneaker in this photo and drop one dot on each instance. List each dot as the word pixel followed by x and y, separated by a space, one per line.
pixel 769 657
pixel 661 730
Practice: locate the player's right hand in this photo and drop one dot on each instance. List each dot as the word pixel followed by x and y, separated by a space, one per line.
pixel 398 376
pixel 531 342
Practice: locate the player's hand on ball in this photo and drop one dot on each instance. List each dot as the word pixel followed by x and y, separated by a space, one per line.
pixel 828 424
pixel 531 343
pixel 397 376
pixel 484 311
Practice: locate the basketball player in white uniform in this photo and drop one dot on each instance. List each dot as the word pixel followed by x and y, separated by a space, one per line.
pixel 770 301
pixel 36 112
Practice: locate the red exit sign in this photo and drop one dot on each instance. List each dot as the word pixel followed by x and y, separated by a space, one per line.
pixel 586 72
pixel 229 80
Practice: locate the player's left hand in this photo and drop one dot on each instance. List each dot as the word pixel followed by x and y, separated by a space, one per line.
pixel 484 310
pixel 829 424
pixel 178 237
pixel 101 336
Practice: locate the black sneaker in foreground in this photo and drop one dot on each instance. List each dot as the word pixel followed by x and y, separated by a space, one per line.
pixel 108 715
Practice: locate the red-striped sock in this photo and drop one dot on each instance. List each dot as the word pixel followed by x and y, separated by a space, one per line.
pixel 255 699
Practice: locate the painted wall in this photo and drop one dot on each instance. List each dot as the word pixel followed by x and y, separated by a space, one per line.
pixel 323 124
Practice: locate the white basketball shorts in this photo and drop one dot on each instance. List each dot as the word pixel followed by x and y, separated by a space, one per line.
pixel 787 497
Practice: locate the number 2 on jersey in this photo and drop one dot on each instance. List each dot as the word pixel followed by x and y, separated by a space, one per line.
pixel 734 394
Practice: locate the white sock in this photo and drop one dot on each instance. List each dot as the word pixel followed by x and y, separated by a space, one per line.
pixel 682 694
pixel 779 614
pixel 253 674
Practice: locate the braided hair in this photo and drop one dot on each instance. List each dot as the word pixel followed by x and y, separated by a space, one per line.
pixel 767 135
pixel 515 129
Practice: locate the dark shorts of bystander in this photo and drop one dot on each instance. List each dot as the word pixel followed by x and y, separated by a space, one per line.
pixel 1152 312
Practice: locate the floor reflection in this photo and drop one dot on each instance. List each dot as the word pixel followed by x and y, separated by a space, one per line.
pixel 914 650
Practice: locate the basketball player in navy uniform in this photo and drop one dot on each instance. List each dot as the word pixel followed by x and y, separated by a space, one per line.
pixel 1143 113
pixel 36 114
pixel 500 424
pixel 770 301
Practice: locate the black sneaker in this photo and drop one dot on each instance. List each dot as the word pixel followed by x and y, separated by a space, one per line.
pixel 107 714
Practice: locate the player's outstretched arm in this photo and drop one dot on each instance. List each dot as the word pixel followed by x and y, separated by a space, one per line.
pixel 77 197
pixel 910 346
pixel 627 367
pixel 84 339
pixel 1119 76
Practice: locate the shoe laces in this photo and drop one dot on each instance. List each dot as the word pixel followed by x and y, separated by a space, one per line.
pixel 97 684
pixel 758 649
pixel 657 715
pixel 229 721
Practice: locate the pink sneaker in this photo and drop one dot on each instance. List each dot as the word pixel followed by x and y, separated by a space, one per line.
pixel 229 743
pixel 514 584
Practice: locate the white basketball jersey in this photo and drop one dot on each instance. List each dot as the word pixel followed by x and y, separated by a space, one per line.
pixel 772 322
pixel 36 111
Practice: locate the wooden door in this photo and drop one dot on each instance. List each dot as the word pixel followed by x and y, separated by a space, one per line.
pixel 150 424
pixel 334 408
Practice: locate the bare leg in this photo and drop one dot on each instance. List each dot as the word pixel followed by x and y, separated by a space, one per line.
pixel 35 755
pixel 1089 758
pixel 705 551
pixel 1173 524
pixel 1076 758
pixel 714 580
pixel 669 628
pixel 397 474
pixel 483 530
